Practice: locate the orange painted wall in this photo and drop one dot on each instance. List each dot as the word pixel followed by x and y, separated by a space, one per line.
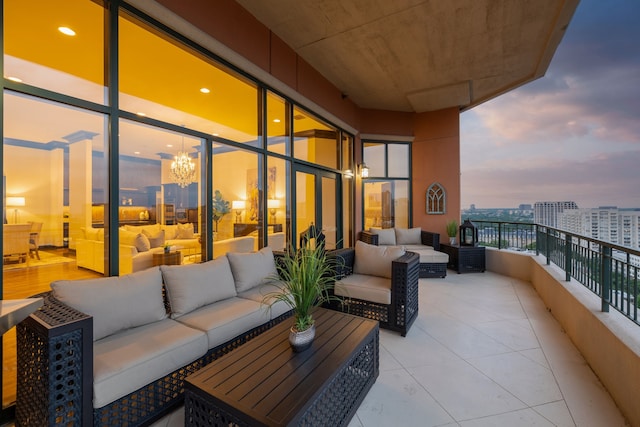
pixel 436 158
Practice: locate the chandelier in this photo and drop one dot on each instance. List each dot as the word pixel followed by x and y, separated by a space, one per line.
pixel 183 170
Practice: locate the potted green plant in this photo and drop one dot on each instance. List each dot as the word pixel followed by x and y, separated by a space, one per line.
pixel 220 207
pixel 305 277
pixel 452 231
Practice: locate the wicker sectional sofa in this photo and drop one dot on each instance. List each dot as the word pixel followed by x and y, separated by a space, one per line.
pixel 116 350
pixel 433 263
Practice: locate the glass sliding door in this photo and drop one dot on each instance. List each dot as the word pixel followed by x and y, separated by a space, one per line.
pixel 317 202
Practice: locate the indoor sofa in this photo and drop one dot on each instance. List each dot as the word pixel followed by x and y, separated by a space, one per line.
pixel 116 350
pixel 433 263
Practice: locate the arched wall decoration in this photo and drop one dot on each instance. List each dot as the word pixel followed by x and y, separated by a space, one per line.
pixel 436 199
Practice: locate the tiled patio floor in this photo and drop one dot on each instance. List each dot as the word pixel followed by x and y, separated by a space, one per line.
pixel 484 351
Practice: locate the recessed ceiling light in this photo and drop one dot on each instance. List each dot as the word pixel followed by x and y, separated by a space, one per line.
pixel 169 145
pixel 276 120
pixel 67 31
pixel 14 79
pixel 216 134
pixel 204 90
pixel 136 152
pixel 141 114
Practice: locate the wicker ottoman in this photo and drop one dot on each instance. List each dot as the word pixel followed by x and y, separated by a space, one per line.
pixel 433 264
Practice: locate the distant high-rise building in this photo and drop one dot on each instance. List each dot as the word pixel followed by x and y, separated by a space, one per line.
pixel 526 207
pixel 546 213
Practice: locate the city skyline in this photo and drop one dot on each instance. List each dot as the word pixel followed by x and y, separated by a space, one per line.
pixel 573 134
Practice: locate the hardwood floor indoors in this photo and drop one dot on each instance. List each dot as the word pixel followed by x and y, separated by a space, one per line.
pixel 25 282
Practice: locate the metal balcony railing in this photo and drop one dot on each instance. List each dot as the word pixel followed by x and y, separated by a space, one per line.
pixel 610 271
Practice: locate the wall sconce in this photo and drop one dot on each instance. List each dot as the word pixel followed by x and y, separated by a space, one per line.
pixel 16 202
pixel 272 205
pixel 364 170
pixel 348 173
pixel 238 206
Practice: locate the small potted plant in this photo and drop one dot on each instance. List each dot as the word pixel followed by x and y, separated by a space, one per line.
pixel 452 231
pixel 305 277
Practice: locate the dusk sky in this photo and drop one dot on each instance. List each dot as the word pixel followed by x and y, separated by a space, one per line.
pixel 573 134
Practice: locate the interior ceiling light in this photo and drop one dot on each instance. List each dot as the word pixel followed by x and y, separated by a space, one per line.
pixel 204 90
pixel 276 120
pixel 141 114
pixel 14 79
pixel 67 31
pixel 183 170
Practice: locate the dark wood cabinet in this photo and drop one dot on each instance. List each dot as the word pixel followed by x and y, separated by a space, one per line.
pixel 465 259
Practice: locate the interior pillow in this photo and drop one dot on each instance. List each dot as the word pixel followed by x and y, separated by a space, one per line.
pixel 194 285
pixel 251 269
pixel 116 303
pixel 185 231
pixel 386 236
pixel 139 240
pixel 408 236
pixel 151 229
pixel 375 260
pixel 155 240
pixel 170 231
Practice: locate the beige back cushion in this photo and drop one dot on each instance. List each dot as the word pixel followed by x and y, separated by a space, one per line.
pixel 408 236
pixel 375 260
pixel 116 303
pixel 252 269
pixel 192 286
pixel 132 238
pixel 386 236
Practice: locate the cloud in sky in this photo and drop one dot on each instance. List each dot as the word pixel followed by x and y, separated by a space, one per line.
pixel 571 135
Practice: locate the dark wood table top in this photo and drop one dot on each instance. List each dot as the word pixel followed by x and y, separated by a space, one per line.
pixel 267 381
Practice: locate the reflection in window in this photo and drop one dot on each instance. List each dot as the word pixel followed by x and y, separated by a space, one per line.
pixel 386 204
pixel 436 199
pixel 277 124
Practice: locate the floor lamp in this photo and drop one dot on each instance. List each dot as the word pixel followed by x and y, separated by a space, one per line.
pixel 15 202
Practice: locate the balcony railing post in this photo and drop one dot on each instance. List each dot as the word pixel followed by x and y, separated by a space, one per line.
pixel 535 233
pixel 500 235
pixel 548 239
pixel 567 257
pixel 605 269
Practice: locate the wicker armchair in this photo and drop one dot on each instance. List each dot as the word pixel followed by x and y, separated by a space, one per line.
pixel 400 314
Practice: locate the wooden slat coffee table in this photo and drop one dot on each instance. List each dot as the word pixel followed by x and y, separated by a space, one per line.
pixel 264 383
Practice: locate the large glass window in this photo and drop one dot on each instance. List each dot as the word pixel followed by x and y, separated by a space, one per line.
pixel 56 45
pixel 166 80
pixel 314 140
pixel 277 124
pixel 386 201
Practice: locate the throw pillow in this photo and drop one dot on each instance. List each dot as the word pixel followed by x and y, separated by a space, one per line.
pixel 139 240
pixel 185 231
pixel 151 229
pixel 386 236
pixel 155 240
pixel 409 236
pixel 116 303
pixel 375 260
pixel 252 269
pixel 195 285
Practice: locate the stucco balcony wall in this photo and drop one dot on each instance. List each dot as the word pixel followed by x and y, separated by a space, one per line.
pixel 608 341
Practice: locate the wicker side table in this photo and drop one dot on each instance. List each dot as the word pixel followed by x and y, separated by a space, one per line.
pixel 465 259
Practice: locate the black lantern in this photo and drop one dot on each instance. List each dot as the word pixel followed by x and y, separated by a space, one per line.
pixel 468 234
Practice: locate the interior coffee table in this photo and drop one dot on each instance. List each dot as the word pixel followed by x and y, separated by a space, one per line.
pixel 264 383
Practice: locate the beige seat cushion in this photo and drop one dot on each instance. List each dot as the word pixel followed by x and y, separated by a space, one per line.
pixel 125 362
pixel 226 319
pixel 364 287
pixel 375 260
pixel 259 293
pixel 430 256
